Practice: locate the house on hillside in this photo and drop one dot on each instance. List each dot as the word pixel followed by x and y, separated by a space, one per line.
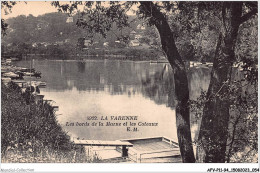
pixel 134 43
pixel 83 43
pixel 69 20
pixel 132 34
pixel 59 42
pixel 87 43
pixel 34 45
pixel 67 40
pixel 140 27
pixel 138 36
pixel 45 44
pixel 105 44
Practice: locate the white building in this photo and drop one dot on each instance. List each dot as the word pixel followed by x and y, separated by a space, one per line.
pixel 138 36
pixel 87 42
pixel 134 43
pixel 132 32
pixel 140 27
pixel 69 20
pixel 105 44
pixel 34 45
pixel 67 40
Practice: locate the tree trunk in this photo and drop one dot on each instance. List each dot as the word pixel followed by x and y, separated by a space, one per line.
pixel 213 133
pixel 180 78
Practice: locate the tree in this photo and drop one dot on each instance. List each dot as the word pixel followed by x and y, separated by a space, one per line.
pixel 7 7
pixel 98 17
pixel 157 18
pixel 213 133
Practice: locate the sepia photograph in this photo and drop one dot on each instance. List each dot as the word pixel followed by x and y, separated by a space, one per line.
pixel 129 82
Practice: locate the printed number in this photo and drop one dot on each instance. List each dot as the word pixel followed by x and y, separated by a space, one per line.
pixel 255 170
pixel 92 118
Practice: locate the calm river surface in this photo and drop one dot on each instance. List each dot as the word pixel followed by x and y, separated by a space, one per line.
pixel 115 88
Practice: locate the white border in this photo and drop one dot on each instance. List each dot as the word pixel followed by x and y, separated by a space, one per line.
pixel 126 167
pixel 129 167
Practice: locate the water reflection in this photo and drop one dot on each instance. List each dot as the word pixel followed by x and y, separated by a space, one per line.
pixel 104 88
pixel 116 77
pixel 81 66
pixel 199 79
pixel 160 86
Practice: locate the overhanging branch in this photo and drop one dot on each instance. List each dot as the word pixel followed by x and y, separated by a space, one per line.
pixel 248 15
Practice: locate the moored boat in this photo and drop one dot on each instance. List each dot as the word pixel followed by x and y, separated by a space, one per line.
pixel 11 75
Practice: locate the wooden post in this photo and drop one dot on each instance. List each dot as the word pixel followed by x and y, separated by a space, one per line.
pixel 124 151
pixel 81 148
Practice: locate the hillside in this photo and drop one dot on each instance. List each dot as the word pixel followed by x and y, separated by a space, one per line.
pixel 57 27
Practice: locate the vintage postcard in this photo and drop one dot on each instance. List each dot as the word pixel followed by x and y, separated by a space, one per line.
pixel 129 82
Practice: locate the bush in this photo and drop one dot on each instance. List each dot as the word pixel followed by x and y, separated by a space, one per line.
pixel 30 131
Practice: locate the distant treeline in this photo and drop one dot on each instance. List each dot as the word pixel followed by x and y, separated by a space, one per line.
pixel 50 34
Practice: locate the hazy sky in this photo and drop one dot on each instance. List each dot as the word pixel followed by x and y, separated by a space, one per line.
pixel 32 7
pixel 37 8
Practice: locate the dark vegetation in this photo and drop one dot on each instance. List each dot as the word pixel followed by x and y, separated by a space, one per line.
pixel 210 30
pixel 50 35
pixel 222 32
pixel 30 131
pixel 242 137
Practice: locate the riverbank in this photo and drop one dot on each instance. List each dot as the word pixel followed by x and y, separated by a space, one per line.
pixel 133 54
pixel 30 132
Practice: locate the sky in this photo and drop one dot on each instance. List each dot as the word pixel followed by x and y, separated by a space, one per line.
pixel 36 8
pixel 31 7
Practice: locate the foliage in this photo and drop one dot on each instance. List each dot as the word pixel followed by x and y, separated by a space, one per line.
pixel 247 49
pixel 196 26
pixel 42 35
pixel 243 146
pixel 194 38
pixel 159 87
pixel 98 17
pixel 243 137
pixel 190 22
pixel 7 7
pixel 30 131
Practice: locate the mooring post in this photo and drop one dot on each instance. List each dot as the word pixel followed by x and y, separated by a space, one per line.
pixel 81 148
pixel 124 151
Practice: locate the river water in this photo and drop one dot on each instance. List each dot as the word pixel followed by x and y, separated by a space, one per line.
pixel 99 88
